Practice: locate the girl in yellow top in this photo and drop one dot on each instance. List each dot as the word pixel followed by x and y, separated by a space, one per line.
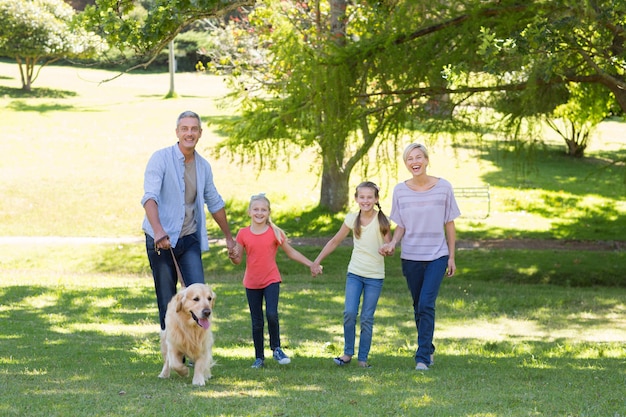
pixel 366 270
pixel 261 241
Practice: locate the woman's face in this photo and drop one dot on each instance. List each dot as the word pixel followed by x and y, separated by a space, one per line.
pixel 416 162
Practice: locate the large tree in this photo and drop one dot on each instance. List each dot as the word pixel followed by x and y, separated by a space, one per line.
pixel 344 78
pixel 39 32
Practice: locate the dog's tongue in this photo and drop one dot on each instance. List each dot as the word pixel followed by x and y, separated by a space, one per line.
pixel 204 323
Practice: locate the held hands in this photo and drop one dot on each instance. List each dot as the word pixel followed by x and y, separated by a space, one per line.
pixel 316 269
pixel 234 251
pixel 387 249
pixel 230 244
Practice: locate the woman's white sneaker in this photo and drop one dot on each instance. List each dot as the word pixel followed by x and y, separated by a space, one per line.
pixel 421 366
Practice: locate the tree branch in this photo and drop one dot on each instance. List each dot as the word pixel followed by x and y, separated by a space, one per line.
pixel 439 90
pixel 455 22
pixel 196 15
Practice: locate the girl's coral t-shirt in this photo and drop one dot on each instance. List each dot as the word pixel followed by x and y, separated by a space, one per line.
pixel 261 267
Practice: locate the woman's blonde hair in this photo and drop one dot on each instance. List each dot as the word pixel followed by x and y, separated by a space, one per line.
pixel 278 232
pixel 413 146
pixel 383 221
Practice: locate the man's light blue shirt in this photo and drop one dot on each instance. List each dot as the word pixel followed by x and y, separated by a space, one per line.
pixel 164 182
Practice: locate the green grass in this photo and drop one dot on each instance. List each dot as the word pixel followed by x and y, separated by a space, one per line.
pixel 79 341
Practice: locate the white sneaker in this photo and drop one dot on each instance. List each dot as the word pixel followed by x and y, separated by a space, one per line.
pixel 421 366
pixel 280 356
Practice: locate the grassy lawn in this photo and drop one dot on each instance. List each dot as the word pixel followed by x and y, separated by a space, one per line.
pixel 519 332
pixel 78 341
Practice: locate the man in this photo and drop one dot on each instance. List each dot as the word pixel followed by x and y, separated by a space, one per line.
pixel 178 182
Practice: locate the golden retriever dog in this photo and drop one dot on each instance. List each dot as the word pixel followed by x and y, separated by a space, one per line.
pixel 188 333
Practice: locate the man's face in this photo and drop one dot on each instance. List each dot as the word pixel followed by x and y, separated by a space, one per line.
pixel 188 133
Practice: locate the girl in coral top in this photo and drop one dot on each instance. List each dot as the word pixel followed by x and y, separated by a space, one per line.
pixel 261 241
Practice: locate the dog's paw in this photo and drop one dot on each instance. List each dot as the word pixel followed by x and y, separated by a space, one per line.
pixel 198 382
pixel 165 371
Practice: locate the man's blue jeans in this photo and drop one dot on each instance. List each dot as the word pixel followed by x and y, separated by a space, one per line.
pixel 424 279
pixel 371 289
pixel 189 259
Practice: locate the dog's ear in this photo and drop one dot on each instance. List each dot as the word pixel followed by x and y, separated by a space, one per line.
pixel 180 297
pixel 212 299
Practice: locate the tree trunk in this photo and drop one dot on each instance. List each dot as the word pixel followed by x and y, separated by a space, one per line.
pixel 172 68
pixel 335 176
pixel 617 89
pixel 574 149
pixel 620 97
pixel 338 21
pixel 335 181
pixel 576 146
pixel 24 74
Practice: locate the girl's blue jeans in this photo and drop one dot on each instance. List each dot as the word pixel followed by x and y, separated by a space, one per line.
pixel 255 302
pixel 370 288
pixel 189 259
pixel 424 279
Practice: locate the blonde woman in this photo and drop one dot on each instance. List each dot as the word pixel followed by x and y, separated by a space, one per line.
pixel 423 208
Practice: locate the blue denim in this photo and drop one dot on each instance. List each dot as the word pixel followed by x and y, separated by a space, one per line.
pixel 424 279
pixel 189 259
pixel 371 289
pixel 255 303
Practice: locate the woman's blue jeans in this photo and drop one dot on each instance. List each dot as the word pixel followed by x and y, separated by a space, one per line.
pixel 424 279
pixel 271 294
pixel 189 259
pixel 371 289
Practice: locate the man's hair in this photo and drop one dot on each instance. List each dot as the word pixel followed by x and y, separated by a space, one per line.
pixel 186 114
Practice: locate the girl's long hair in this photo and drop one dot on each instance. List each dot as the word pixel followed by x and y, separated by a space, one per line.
pixel 278 232
pixel 383 221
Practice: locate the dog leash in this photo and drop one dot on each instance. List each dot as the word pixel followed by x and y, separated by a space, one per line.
pixel 179 275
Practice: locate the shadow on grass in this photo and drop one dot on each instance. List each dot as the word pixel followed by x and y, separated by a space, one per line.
pixel 560 188
pixel 553 267
pixel 42 92
pixel 21 106
pixel 552 170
